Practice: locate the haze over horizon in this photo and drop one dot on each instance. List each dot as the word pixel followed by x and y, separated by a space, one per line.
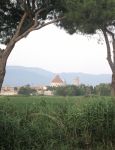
pixel 52 49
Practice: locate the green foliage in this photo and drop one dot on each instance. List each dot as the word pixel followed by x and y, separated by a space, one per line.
pixel 88 16
pixel 66 91
pixel 56 123
pixel 27 90
pixel 11 12
pixel 72 90
pixel 103 89
pixel 82 90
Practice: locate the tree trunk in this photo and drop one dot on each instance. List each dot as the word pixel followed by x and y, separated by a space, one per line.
pixel 2 72
pixel 113 85
pixel 4 54
pixel 2 75
pixel 110 46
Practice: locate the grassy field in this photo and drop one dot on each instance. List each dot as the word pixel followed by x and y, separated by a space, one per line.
pixel 57 123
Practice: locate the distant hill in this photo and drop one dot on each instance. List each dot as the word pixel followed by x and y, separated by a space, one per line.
pixel 88 79
pixel 19 76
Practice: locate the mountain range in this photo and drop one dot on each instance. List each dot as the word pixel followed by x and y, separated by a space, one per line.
pixel 19 76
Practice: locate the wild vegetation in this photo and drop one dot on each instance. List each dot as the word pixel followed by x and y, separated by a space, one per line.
pixel 71 90
pixel 57 123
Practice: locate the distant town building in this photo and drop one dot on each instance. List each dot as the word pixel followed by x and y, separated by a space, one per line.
pixel 8 91
pixel 76 81
pixel 57 81
pixel 42 90
pixel 48 93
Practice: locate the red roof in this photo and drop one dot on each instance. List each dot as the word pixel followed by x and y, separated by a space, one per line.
pixel 57 79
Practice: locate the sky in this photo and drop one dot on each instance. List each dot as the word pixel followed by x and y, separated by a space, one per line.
pixel 53 49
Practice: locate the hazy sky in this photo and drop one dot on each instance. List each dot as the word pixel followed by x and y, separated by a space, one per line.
pixel 53 49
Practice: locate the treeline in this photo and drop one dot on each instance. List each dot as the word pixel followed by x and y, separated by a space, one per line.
pixel 27 90
pixel 82 90
pixel 71 90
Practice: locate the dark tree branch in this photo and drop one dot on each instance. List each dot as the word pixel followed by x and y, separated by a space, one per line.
pixel 28 4
pixel 29 11
pixel 34 27
pixel 113 43
pixel 11 44
pixel 33 5
pixel 20 25
pixel 108 51
pixel 111 33
pixel 53 21
pixel 37 15
pixel 38 11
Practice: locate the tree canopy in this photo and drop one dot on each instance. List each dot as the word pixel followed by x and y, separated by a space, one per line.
pixel 88 16
pixel 26 14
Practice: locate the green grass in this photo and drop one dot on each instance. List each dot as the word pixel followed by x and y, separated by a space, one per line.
pixel 57 123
